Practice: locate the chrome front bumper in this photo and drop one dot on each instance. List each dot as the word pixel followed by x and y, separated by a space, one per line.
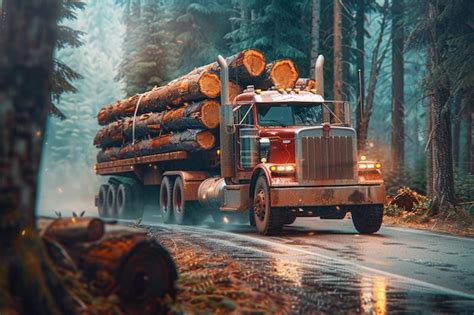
pixel 327 196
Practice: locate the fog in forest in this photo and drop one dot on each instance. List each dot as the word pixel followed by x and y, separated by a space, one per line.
pixel 130 46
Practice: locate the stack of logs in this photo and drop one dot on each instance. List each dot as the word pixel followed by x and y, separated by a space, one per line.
pixel 184 114
pixel 122 262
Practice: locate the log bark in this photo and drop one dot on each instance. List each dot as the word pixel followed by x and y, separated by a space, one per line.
pixel 191 140
pixel 201 83
pixel 191 87
pixel 280 73
pixel 197 115
pixel 244 66
pixel 126 263
pixel 75 230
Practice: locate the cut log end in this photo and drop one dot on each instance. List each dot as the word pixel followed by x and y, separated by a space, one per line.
pixel 210 85
pixel 254 62
pixel 206 140
pixel 284 73
pixel 210 114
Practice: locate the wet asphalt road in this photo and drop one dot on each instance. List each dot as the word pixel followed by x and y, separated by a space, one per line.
pixel 327 267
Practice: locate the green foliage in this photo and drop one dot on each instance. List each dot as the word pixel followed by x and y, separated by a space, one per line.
pixel 279 28
pixel 63 75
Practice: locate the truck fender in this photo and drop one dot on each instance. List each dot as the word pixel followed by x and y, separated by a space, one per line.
pixel 260 169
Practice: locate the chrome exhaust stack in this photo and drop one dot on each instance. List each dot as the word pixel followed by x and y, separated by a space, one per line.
pixel 319 75
pixel 319 78
pixel 226 123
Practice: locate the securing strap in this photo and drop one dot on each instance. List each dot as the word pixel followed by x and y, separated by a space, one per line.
pixel 134 118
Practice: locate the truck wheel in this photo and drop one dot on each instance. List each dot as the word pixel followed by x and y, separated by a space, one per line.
pixel 367 219
pixel 125 202
pixel 102 201
pixel 268 220
pixel 184 211
pixel 166 209
pixel 111 201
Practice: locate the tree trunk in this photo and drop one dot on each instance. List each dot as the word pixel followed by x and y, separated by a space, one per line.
pixel 398 111
pixel 360 52
pixel 201 83
pixel 376 63
pixel 337 83
pixel 28 284
pixel 468 148
pixel 443 188
pixel 315 21
pixel 457 112
pixel 429 133
pixel 198 115
pixel 280 73
pixel 191 140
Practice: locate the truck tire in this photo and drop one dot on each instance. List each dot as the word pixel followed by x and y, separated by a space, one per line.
pixel 102 201
pixel 268 220
pixel 166 209
pixel 185 212
pixel 111 201
pixel 367 219
pixel 125 202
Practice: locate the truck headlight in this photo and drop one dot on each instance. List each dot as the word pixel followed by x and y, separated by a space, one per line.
pixel 365 165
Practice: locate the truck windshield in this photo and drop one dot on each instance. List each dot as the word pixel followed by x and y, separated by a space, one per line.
pixel 288 114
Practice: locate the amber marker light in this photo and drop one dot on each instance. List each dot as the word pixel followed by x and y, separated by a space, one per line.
pixel 283 169
pixel 218 152
pixel 378 165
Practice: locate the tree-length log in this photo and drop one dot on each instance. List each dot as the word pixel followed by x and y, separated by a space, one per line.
pixel 197 115
pixel 190 140
pixel 126 263
pixel 244 66
pixel 75 230
pixel 199 84
pixel 191 87
pixel 280 73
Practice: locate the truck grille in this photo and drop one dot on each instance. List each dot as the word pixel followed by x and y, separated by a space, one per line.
pixel 327 158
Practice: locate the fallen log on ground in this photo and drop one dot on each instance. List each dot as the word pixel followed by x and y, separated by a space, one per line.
pixel 140 271
pixel 280 74
pixel 197 115
pixel 75 230
pixel 190 140
pixel 199 84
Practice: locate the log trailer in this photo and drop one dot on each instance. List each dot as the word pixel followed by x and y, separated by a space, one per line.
pixel 282 154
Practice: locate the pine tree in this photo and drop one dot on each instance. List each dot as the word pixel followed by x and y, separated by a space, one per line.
pixel 277 28
pixel 444 29
pixel 66 175
pixel 63 74
pixel 28 284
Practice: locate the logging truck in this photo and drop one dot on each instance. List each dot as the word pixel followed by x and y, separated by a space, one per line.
pixel 282 154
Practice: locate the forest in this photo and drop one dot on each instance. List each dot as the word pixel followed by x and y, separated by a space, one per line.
pixel 405 66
